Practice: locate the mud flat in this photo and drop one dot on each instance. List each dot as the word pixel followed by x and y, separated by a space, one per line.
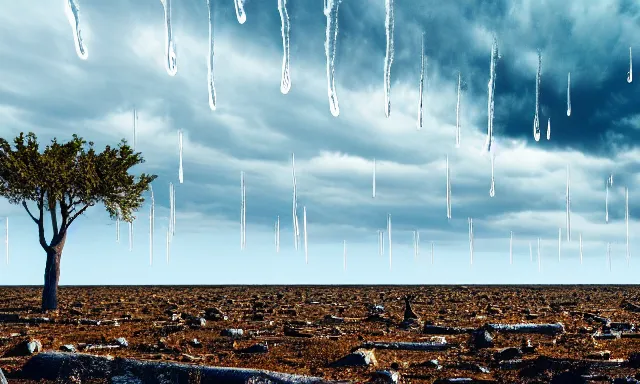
pixel 417 334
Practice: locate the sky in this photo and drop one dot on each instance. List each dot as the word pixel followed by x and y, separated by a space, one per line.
pixel 46 88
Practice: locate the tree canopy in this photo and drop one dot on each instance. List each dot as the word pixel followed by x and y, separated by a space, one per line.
pixel 71 176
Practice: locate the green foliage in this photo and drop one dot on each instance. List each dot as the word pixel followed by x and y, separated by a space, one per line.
pixel 71 176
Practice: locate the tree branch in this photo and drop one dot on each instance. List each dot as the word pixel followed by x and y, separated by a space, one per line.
pixel 24 204
pixel 54 216
pixel 80 212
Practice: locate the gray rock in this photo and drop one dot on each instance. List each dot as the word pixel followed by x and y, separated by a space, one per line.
pixel 125 379
pixel 68 348
pixel 359 358
pixel 480 338
pixel 232 332
pixel 122 342
pixel 3 380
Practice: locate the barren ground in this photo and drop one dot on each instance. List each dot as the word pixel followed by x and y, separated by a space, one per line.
pixel 144 318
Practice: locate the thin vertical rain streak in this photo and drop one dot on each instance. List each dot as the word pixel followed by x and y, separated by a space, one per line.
pixel 421 89
pixel 285 82
pixel 296 229
pixel 210 74
pixel 344 254
pixel 388 57
pixel 559 243
pixel 170 211
pixel 243 213
pixel 491 93
pixel 458 112
pixel 626 223
pixel 72 11
pixel 173 199
pixel 609 255
pixel 242 17
pixel 277 230
pixel 331 39
pixel 304 233
pixel 568 95
pixel 390 244
pixel 536 117
pixel 448 189
pixel 168 245
pixel 373 192
pixel 171 62
pixel 568 203
pixel 180 171
pixel 630 73
pixel 549 129
pixel 135 125
pixel 471 239
pixel 608 183
pixel 511 247
pixel 381 242
pixel 580 247
pixel 152 209
pixel 432 252
pixel 492 189
pixel 130 236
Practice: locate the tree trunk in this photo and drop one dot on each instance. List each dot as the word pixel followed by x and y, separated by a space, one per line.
pixel 52 273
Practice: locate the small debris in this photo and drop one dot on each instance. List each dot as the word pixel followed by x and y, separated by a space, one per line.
pixel 358 358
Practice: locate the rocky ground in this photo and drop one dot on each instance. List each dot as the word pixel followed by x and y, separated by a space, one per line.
pixel 449 331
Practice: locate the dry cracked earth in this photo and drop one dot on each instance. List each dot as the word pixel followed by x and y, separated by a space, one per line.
pixel 340 333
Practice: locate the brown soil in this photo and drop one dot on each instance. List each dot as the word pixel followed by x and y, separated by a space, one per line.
pixel 144 312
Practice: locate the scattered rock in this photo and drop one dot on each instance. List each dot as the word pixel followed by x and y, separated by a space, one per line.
pixel 408 311
pixel 481 338
pixel 232 332
pixel 197 322
pixel 68 348
pixel 358 358
pixel 214 314
pixel 599 355
pixel 26 348
pixel 256 348
pixel 507 354
pixel 122 342
pixel 3 380
pixel 385 377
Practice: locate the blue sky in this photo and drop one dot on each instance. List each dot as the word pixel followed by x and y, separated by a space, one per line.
pixel 47 89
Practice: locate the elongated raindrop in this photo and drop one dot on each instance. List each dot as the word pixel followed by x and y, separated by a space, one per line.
pixel 344 254
pixel 609 183
pixel 380 242
pixel 285 82
pixel 549 129
pixel 390 244
pixel 630 73
pixel 304 233
pixel 331 12
pixel 609 255
pixel 458 112
pixel 569 94
pixel 296 229
pixel 448 189
pixel 580 246
pixel 421 89
pixel 277 234
pixel 180 171
pixel 242 17
pixel 568 203
pixel 536 117
pixel 492 189
pixel 389 21
pixel 211 86
pixel 72 12
pixel 432 253
pixel 171 60
pixel 511 247
pixel 491 93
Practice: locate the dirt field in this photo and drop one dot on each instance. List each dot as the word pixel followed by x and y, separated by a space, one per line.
pixel 161 323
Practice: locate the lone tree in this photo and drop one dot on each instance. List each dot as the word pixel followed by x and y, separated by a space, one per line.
pixel 65 179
